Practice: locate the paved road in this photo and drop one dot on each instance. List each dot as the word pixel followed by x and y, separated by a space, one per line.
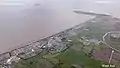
pixel 108 44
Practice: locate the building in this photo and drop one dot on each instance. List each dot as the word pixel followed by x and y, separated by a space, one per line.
pixel 12 59
pixel 115 36
pixel 86 41
pixel 4 56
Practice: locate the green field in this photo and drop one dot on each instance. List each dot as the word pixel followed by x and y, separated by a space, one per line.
pixel 34 62
pixel 79 58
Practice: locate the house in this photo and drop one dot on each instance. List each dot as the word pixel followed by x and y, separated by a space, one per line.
pixel 115 36
pixel 4 56
pixel 86 41
pixel 13 59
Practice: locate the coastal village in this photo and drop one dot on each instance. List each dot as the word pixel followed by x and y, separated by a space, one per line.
pixel 53 44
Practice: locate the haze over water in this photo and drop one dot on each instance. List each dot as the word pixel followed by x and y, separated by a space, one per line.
pixel 22 21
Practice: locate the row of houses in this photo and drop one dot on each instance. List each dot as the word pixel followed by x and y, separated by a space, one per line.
pixel 25 52
pixel 53 44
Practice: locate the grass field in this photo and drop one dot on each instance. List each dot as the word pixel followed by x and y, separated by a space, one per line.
pixel 34 62
pixel 75 57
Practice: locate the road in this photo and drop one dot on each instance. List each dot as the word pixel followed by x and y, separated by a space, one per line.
pixel 108 44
